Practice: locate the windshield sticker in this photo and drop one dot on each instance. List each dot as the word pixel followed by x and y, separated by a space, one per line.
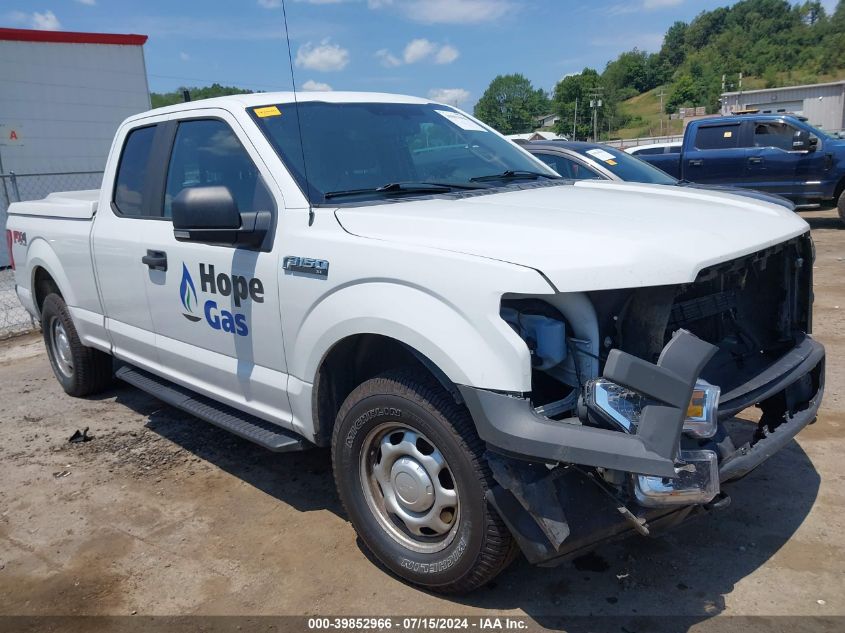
pixel 461 121
pixel 602 155
pixel 267 111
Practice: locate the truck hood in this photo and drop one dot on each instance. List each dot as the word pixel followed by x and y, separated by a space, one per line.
pixel 589 236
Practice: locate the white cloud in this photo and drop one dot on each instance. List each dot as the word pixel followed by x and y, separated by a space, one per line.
pixel 378 4
pixel 325 57
pixel 270 4
pixel 660 4
pixel 417 50
pixel 456 11
pixel 452 96
pixel 388 59
pixel 447 54
pixel 46 21
pixel 88 3
pixel 184 56
pixel 317 86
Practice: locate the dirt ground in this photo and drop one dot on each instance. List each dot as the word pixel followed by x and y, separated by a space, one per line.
pixel 162 514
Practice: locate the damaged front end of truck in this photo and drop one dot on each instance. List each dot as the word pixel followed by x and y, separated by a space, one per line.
pixel 631 422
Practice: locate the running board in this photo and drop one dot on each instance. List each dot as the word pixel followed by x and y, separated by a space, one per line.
pixel 249 427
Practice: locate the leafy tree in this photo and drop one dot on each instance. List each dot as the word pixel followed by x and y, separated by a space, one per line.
pixel 511 104
pixel 581 89
pixel 159 100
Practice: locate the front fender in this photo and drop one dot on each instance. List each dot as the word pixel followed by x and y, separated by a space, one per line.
pixel 470 348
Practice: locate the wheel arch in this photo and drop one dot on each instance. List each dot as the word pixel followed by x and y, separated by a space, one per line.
pixel 355 359
pixel 46 275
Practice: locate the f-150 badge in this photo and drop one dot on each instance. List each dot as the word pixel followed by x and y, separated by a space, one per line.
pixel 306 266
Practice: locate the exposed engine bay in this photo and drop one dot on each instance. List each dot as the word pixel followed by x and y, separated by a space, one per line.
pixel 753 315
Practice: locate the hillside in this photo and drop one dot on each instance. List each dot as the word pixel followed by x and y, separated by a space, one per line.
pixel 642 113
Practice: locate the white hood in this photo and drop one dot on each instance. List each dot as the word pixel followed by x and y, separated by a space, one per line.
pixel 590 236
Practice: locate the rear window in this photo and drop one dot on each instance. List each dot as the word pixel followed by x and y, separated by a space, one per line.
pixel 129 184
pixel 717 137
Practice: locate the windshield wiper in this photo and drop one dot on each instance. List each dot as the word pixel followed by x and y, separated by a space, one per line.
pixel 515 174
pixel 403 187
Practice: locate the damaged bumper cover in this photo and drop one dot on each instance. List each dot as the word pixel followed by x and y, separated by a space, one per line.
pixel 555 514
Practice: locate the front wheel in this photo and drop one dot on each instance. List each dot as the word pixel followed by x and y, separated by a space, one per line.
pixel 81 370
pixel 410 471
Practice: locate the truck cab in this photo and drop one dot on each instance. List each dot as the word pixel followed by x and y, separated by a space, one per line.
pixel 779 154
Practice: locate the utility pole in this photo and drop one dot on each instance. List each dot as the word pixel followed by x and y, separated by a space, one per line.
pixel 595 104
pixel 661 95
pixel 575 119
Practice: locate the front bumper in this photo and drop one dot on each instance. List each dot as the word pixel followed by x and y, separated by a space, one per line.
pixel 555 514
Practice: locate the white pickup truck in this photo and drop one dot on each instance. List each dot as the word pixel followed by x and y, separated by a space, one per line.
pixel 500 359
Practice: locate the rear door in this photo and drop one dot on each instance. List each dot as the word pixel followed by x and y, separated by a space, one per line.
pixel 215 308
pixel 717 154
pixel 126 215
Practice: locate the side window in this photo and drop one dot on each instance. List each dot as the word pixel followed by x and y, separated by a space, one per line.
pixel 132 171
pixel 774 134
pixel 673 149
pixel 207 153
pixel 717 137
pixel 568 168
pixel 647 151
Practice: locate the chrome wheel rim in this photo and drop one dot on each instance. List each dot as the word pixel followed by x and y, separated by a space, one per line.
pixel 60 344
pixel 409 488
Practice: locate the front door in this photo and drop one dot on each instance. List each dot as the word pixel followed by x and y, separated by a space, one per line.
pixel 775 166
pixel 215 308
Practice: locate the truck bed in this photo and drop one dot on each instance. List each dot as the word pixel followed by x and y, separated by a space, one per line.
pixel 71 205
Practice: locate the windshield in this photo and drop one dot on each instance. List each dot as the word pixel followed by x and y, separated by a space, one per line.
pixel 625 166
pixel 378 150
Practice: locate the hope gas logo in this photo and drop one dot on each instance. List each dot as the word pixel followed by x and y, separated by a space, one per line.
pixel 238 287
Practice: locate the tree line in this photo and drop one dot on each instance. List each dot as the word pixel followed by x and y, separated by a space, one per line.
pixel 767 39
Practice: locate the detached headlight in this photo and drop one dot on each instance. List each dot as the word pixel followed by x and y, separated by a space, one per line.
pixel 623 407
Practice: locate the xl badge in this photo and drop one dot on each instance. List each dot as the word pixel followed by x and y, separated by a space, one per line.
pixel 306 266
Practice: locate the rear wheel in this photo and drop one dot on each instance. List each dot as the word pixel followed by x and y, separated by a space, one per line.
pixel 410 471
pixel 81 370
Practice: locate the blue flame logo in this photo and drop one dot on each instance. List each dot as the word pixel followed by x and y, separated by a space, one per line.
pixel 188 294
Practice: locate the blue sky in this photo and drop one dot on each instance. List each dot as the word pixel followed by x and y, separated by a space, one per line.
pixel 448 49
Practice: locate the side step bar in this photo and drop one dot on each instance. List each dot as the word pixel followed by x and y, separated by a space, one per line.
pixel 249 427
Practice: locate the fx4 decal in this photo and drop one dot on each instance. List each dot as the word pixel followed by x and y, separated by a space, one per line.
pixel 238 287
pixel 306 266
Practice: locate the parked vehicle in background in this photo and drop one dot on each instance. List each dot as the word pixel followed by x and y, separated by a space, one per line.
pixel 779 154
pixel 498 357
pixel 654 148
pixel 585 161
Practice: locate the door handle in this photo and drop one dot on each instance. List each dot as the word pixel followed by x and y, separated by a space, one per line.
pixel 696 162
pixel 755 160
pixel 156 260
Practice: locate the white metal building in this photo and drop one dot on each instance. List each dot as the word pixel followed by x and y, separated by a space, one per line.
pixel 63 95
pixel 823 104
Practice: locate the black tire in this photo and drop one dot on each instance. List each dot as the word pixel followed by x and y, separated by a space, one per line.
pixel 88 371
pixel 481 545
pixel 840 205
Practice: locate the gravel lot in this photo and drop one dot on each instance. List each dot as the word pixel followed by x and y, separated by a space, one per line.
pixel 162 514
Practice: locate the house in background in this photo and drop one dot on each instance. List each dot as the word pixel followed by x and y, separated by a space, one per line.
pixel 63 95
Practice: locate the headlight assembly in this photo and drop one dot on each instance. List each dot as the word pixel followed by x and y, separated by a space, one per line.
pixel 623 407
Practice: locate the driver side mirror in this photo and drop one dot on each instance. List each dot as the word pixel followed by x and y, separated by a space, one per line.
pixel 210 214
pixel 803 141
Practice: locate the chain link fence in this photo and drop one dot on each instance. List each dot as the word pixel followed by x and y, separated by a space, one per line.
pixel 16 188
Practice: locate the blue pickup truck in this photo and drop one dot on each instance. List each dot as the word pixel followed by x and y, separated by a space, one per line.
pixel 781 154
